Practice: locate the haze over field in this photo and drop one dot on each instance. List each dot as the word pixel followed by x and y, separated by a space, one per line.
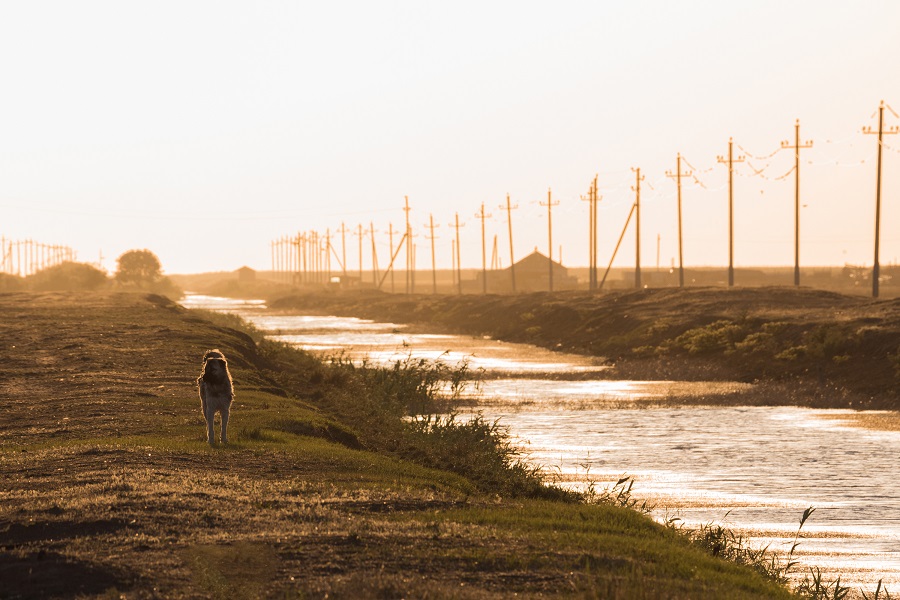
pixel 204 130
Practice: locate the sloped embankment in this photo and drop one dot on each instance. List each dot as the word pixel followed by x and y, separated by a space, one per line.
pixel 110 490
pixel 806 346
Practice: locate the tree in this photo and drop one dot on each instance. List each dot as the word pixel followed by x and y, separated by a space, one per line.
pixel 140 268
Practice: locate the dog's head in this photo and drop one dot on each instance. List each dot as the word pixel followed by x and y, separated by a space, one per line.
pixel 215 367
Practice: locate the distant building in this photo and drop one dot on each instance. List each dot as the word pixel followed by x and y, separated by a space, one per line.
pixel 532 275
pixel 246 275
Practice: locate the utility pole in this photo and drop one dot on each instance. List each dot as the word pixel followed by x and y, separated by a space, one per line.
pixel 512 260
pixel 344 231
pixel 677 176
pixel 328 251
pixel 730 162
pixel 658 244
pixel 550 204
pixel 595 229
pixel 360 234
pixel 592 200
pixel 431 237
pixel 409 256
pixel 637 227
pixel 481 215
pixel 374 254
pixel 458 263
pixel 876 267
pixel 796 148
pixel 391 251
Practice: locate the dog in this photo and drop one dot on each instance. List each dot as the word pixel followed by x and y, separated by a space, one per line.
pixel 216 392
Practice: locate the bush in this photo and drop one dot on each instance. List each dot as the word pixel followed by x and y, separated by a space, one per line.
pixel 715 337
pixel 11 283
pixel 68 276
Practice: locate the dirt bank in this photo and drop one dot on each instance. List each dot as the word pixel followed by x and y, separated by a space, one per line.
pixel 802 346
pixel 109 489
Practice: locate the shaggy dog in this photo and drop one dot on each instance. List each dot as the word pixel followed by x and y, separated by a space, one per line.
pixel 216 392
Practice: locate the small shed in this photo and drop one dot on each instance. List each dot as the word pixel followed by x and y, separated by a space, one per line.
pixel 246 275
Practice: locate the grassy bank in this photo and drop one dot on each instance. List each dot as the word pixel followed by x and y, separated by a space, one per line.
pixel 803 346
pixel 109 488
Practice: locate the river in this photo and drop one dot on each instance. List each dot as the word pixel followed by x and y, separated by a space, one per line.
pixel 752 469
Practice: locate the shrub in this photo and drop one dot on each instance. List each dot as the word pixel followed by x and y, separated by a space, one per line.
pixel 715 337
pixel 68 276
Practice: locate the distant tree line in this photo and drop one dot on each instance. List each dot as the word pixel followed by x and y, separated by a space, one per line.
pixel 136 270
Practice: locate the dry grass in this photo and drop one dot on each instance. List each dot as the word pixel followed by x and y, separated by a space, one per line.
pixel 109 488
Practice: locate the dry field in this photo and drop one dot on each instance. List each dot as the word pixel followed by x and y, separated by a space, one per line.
pixel 108 489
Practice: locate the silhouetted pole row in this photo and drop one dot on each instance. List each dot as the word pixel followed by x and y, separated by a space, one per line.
pixel 730 162
pixel 677 176
pixel 550 204
pixel 796 148
pixel 27 257
pixel 303 255
pixel 876 267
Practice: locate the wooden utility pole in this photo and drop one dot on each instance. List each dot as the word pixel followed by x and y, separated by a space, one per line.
pixel 374 254
pixel 512 260
pixel 409 255
pixel 730 162
pixel 328 251
pixel 360 234
pixel 391 251
pixel 592 200
pixel 431 237
pixel 595 228
pixel 796 147
pixel 550 204
pixel 481 215
pixel 876 267
pixel 457 225
pixel 304 277
pixel 637 227
pixel 344 231
pixel 677 176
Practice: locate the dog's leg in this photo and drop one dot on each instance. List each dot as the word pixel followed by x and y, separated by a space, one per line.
pixel 225 410
pixel 210 422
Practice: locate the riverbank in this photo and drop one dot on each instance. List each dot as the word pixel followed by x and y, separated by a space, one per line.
pixel 110 489
pixel 799 346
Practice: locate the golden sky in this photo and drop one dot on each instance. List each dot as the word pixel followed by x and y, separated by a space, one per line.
pixel 204 130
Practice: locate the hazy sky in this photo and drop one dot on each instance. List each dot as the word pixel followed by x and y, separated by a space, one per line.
pixel 204 130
